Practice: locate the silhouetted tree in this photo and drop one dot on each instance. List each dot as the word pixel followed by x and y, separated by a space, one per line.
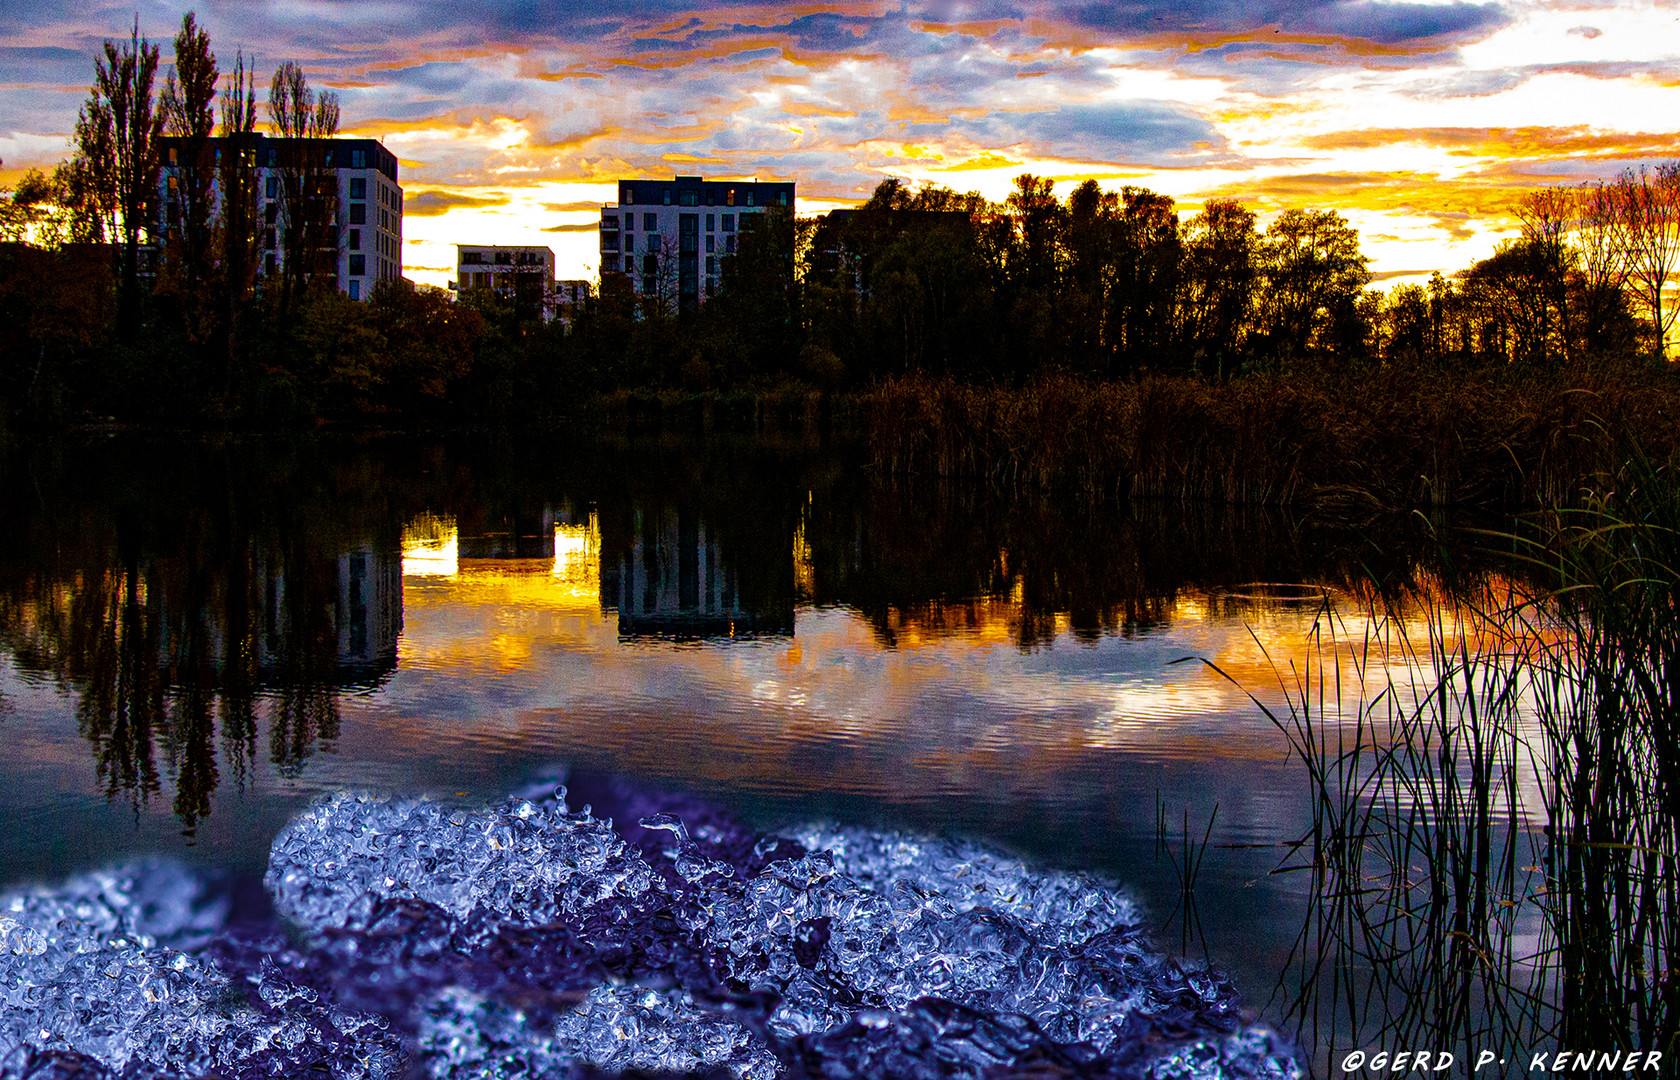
pixel 1598 238
pixel 117 148
pixel 1147 255
pixel 308 186
pixel 1092 235
pixel 1311 269
pixel 189 94
pixel 1221 252
pixel 1650 202
pixel 238 229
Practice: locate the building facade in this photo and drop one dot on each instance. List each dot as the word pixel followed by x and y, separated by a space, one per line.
pixel 355 179
pixel 570 296
pixel 523 275
pixel 671 236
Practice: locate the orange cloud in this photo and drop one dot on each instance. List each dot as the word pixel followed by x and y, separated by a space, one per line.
pixel 1507 142
pixel 1421 194
pixel 433 203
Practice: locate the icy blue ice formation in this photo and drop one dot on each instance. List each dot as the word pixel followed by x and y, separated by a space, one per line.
pixel 105 975
pixel 413 938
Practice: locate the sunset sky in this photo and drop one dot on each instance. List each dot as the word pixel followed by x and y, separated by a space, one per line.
pixel 1421 122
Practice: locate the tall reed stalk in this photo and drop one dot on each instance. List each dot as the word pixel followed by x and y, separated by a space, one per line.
pixel 1495 783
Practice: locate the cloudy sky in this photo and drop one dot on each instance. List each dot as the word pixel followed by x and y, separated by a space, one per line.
pixel 1421 122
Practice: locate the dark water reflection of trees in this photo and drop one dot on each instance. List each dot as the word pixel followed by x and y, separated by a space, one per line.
pixel 209 602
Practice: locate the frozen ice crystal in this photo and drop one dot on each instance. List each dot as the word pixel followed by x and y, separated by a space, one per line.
pixel 1060 906
pixel 412 938
pixel 531 863
pixel 91 975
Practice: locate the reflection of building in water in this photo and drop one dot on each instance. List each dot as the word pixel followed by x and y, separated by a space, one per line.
pixel 366 613
pixel 668 576
pixel 520 535
pixel 433 551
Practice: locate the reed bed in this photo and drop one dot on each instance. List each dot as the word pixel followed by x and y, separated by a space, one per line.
pixel 1492 860
pixel 1356 442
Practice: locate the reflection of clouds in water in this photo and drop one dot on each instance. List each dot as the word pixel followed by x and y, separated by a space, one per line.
pixel 954 700
pixel 963 676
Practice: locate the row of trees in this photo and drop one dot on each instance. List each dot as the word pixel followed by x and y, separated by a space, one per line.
pixel 100 316
pixel 1112 283
pixel 1108 282
pixel 189 316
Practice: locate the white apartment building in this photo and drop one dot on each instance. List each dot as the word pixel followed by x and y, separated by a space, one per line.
pixel 360 173
pixel 524 275
pixel 670 236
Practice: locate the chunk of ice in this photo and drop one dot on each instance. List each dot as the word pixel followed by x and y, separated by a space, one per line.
pixel 527 940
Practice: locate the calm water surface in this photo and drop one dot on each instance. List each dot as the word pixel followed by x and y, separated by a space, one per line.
pixel 198 638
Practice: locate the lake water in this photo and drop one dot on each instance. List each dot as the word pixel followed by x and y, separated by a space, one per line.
pixel 200 638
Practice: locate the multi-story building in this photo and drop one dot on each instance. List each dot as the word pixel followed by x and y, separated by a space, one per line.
pixel 570 296
pixel 524 275
pixel 670 236
pixel 357 177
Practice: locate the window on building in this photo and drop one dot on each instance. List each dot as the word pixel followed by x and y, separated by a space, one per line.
pixel 504 258
pixel 711 196
pixel 650 222
pixel 271 157
pixel 711 286
pixel 355 239
pixel 609 264
pixel 749 197
pixel 628 198
pixel 358 187
pixel 710 242
pixel 650 264
pixel 729 223
pixel 268 262
pixel 609 221
pixel 271 213
pixel 472 258
pixel 268 240
pixel 629 241
pixel 729 244
pixel 711 263
pixel 358 213
pixel 355 289
pixel 609 241
pixel 781 198
pixel 711 222
pixel 358 265
pixel 358 159
pixel 329 158
pixel 729 201
pixel 271 189
pixel 667 194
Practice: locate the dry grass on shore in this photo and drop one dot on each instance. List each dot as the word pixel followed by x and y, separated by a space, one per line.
pixel 1365 442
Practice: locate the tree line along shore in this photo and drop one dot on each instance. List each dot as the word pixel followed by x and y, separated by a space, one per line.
pixel 1103 341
